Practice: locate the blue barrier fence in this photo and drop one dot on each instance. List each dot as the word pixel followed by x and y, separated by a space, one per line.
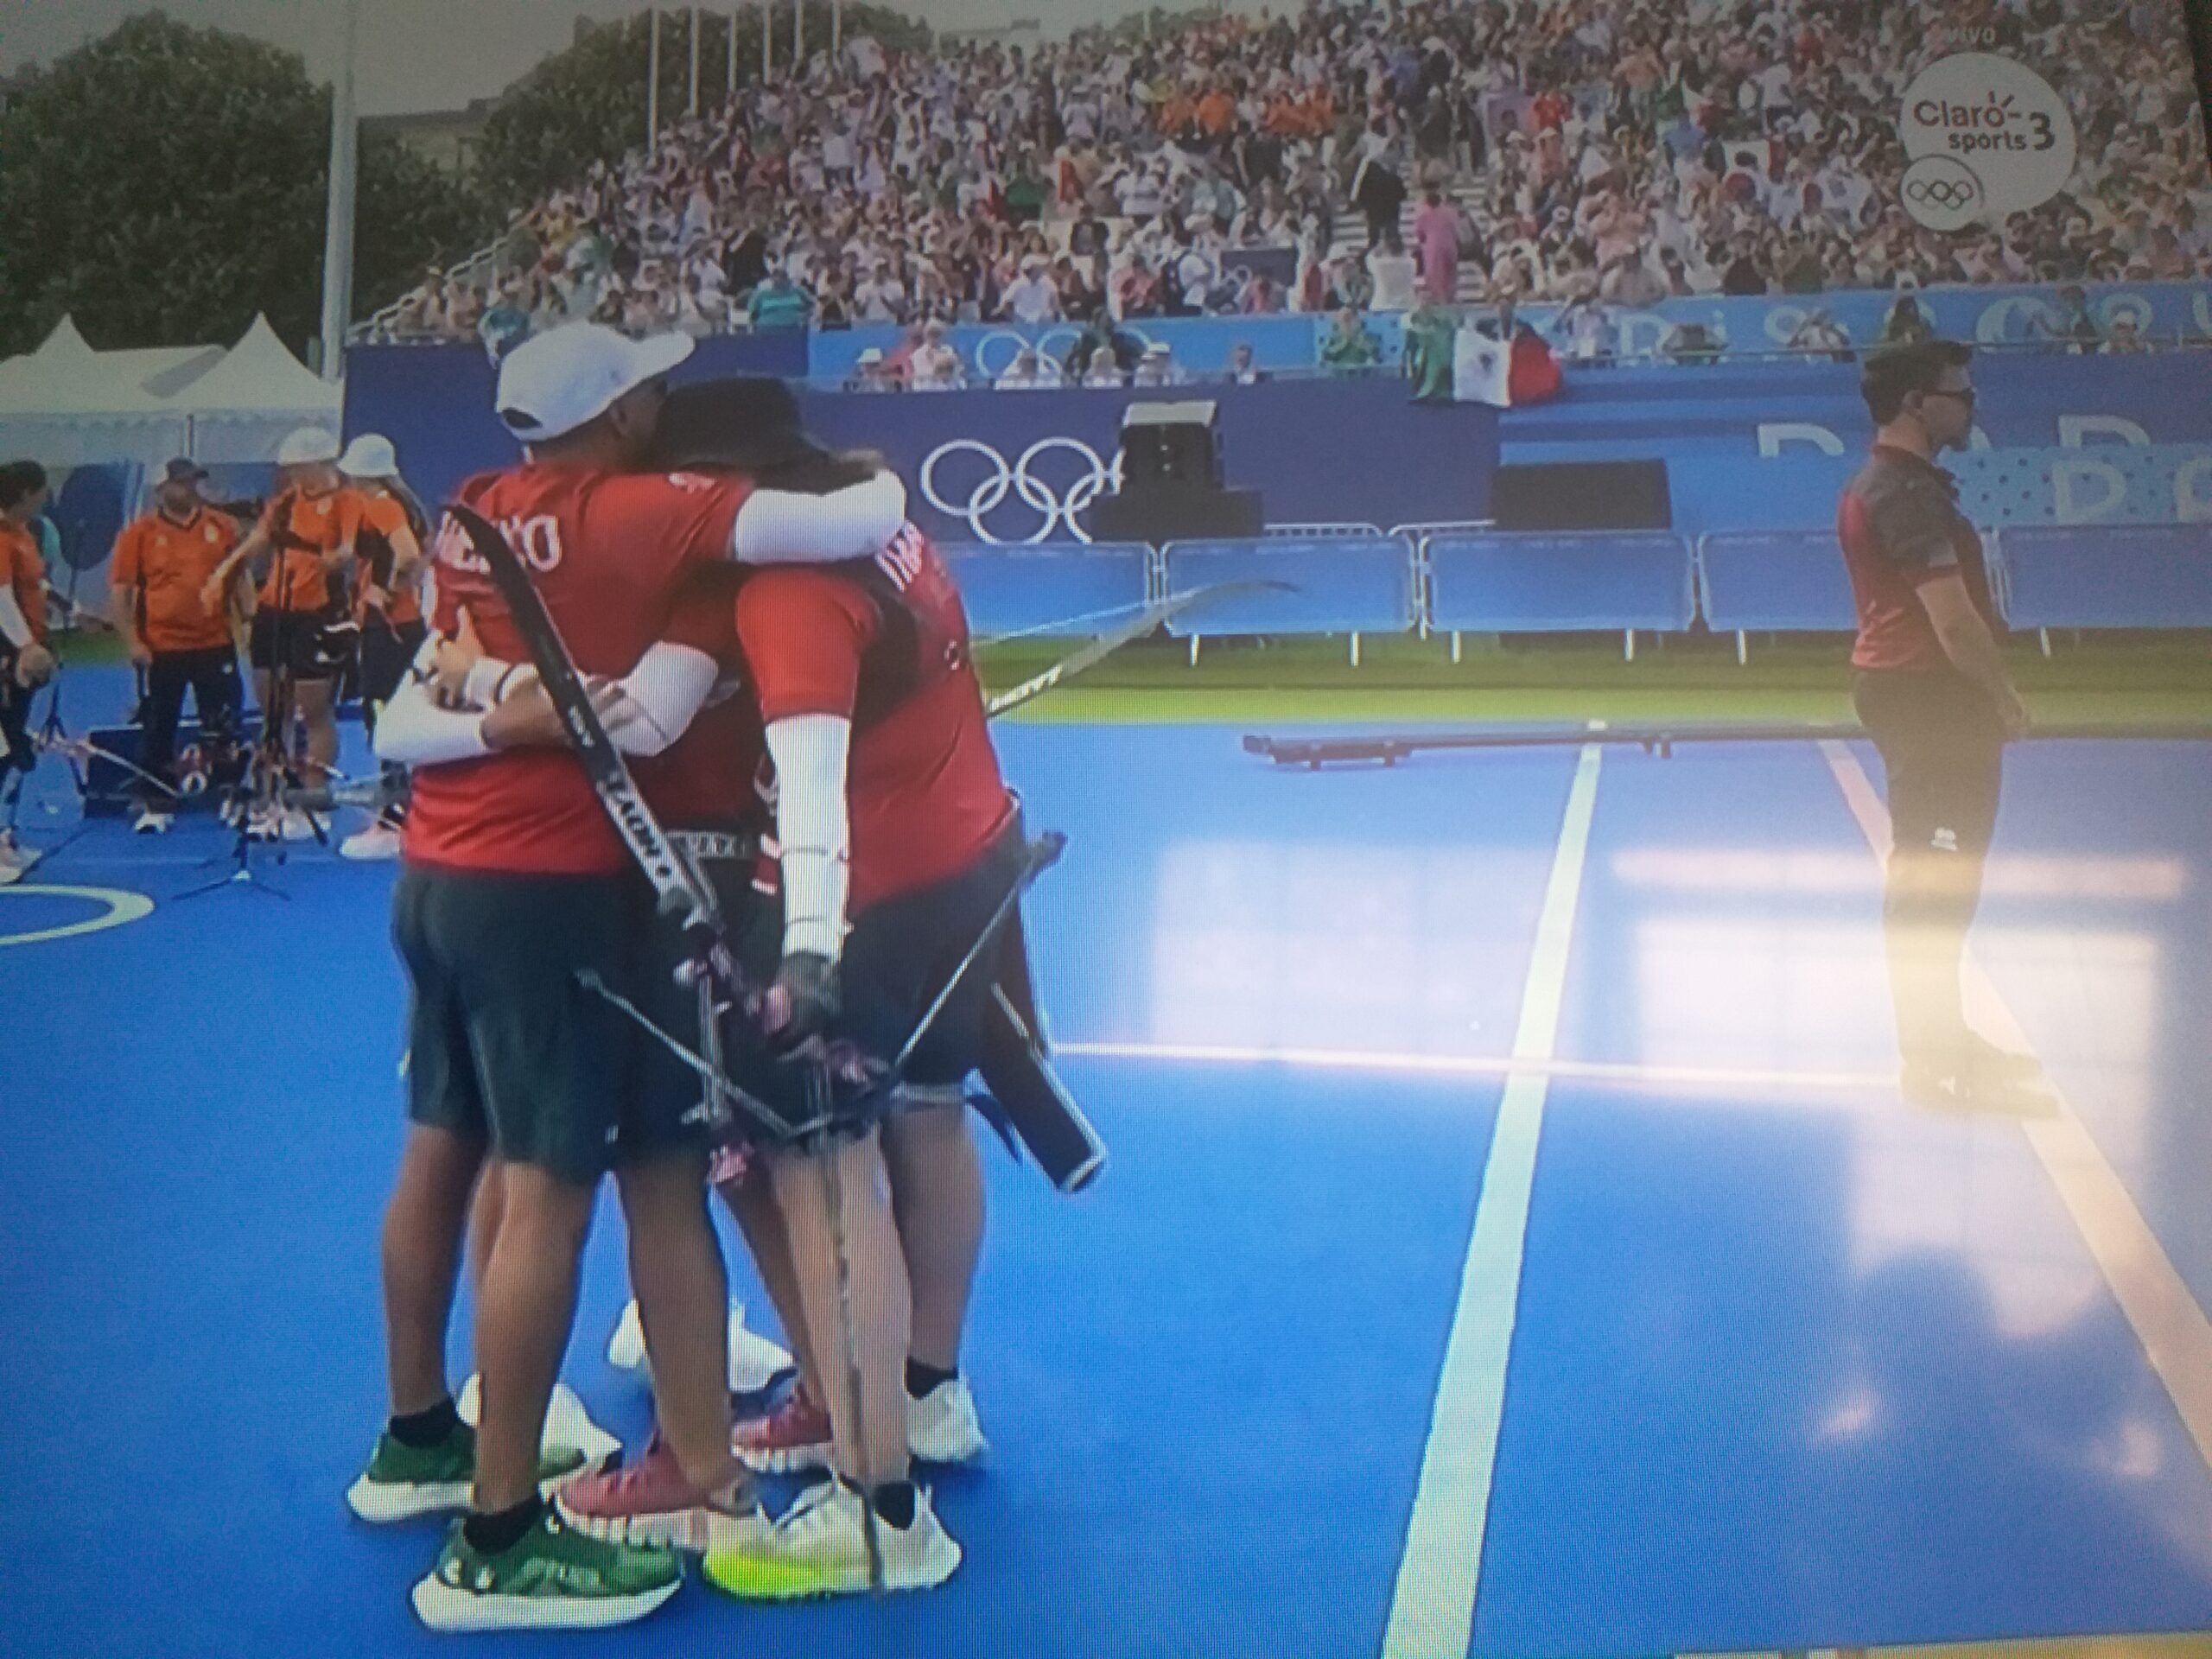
pixel 2011 315
pixel 2128 577
pixel 1560 584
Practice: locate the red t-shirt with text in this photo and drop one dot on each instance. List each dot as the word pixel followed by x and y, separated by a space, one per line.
pixel 924 789
pixel 609 553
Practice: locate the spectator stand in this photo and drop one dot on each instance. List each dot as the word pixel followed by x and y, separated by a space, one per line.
pixel 1334 584
pixel 1504 581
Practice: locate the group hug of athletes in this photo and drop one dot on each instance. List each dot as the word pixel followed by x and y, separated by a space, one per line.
pixel 784 661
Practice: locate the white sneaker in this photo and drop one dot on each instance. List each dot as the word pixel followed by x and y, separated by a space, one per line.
pixel 942 1426
pixel 754 1362
pixel 151 821
pixel 15 863
pixel 379 840
pixel 820 1548
pixel 296 825
pixel 262 824
pixel 567 1423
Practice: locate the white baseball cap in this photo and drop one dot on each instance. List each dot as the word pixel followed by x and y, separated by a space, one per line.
pixel 567 377
pixel 369 456
pixel 305 445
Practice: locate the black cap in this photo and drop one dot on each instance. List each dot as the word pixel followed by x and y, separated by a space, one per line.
pixel 181 471
pixel 745 422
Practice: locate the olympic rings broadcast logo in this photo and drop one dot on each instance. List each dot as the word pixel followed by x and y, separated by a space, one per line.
pixel 1950 194
pixel 1021 479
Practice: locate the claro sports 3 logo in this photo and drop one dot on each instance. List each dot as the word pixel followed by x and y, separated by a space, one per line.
pixel 1986 134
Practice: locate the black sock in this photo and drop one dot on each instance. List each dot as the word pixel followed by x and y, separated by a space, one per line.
pixel 894 1503
pixel 502 1529
pixel 424 1429
pixel 922 1379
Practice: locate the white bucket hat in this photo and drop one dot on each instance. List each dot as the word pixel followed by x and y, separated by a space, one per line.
pixel 305 445
pixel 556 382
pixel 369 456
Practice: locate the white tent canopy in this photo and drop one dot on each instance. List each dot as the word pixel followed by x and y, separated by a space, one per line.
pixel 67 404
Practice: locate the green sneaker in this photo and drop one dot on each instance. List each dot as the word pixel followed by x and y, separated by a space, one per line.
pixel 553 1579
pixel 403 1481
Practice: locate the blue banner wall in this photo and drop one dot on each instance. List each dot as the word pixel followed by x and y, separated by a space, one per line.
pixel 1200 344
pixel 1766 447
pixel 1988 316
pixel 1013 466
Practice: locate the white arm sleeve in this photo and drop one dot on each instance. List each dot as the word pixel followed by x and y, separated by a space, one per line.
pixel 670 685
pixel 15 627
pixel 661 695
pixel 812 828
pixel 778 527
pixel 413 731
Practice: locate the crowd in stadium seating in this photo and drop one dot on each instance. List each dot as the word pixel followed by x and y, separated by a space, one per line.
pixel 1573 151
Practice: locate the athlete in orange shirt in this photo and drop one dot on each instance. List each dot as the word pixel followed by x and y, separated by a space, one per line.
pixel 383 524
pixel 301 538
pixel 159 577
pixel 25 662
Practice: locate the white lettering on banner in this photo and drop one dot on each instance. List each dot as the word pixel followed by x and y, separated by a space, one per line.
pixel 1020 479
pixel 1642 332
pixel 2067 507
pixel 2192 506
pixel 2073 428
pixel 1774 433
pixel 1994 124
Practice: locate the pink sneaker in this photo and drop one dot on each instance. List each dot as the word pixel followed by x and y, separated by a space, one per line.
pixel 789 1440
pixel 650 1503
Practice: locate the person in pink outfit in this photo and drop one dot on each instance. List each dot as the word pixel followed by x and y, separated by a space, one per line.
pixel 1436 243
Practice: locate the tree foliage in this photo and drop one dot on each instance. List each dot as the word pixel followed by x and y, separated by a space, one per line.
pixel 165 182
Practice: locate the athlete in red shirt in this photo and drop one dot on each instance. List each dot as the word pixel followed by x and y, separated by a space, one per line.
pixel 515 884
pixel 1929 682
pixel 891 812
pixel 883 772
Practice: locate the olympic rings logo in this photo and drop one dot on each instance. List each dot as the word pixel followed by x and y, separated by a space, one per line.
pixel 1021 479
pixel 1053 341
pixel 1950 195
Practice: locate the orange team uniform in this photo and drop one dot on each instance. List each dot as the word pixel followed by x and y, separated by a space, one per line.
pixel 382 517
pixel 1177 113
pixel 170 562
pixel 1217 113
pixel 23 569
pixel 302 528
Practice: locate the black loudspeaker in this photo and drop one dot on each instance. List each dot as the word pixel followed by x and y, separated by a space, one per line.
pixel 1583 495
pixel 1171 444
pixel 1176 512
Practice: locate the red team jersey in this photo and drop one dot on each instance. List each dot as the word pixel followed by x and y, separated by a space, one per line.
pixel 885 644
pixel 609 553
pixel 709 779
